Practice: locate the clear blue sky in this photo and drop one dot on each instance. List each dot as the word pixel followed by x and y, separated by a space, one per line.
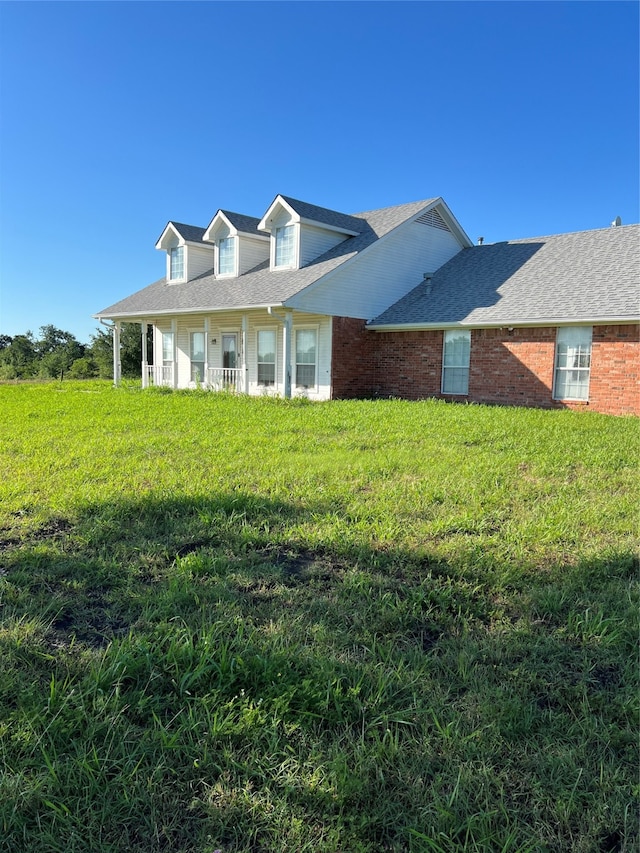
pixel 116 117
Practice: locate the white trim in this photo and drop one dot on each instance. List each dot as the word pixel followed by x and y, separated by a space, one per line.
pixel 503 324
pixel 257 330
pixel 303 328
pixel 466 367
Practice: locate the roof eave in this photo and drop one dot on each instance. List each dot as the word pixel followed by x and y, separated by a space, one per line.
pixel 504 324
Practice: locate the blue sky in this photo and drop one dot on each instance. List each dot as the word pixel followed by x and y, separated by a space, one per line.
pixel 116 117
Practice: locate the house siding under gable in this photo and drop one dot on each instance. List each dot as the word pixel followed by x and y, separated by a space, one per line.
pixel 384 273
pixel 316 241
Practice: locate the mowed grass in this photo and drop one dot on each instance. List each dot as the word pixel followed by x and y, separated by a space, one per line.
pixel 235 625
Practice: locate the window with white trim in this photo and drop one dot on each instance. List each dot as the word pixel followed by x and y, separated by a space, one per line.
pixel 167 348
pixel 573 363
pixel 197 344
pixel 226 256
pixel 455 361
pixel 306 360
pixel 266 357
pixel 285 248
pixel 176 263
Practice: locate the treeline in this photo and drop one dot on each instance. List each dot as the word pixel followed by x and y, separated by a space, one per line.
pixel 56 354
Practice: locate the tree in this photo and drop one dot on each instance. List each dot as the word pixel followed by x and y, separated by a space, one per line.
pixel 20 355
pixel 101 350
pixel 57 350
pixel 5 341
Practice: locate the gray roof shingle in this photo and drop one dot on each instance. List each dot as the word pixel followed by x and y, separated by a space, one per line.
pixel 585 275
pixel 245 224
pixel 325 215
pixel 260 286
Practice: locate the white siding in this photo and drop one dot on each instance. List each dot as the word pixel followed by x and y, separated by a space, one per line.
pixel 199 260
pixel 316 241
pixel 380 276
pixel 232 322
pixel 252 253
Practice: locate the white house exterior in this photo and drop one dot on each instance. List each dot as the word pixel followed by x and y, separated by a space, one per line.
pixel 248 304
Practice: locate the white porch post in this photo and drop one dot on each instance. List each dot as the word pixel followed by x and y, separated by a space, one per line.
pixel 117 365
pixel 145 361
pixel 245 372
pixel 287 331
pixel 174 337
pixel 205 377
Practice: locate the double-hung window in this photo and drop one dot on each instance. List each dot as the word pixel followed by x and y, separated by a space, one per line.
pixel 176 263
pixel 455 361
pixel 573 363
pixel 285 249
pixel 306 361
pixel 266 357
pixel 226 256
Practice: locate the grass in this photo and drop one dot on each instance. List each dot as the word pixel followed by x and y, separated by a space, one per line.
pixel 237 625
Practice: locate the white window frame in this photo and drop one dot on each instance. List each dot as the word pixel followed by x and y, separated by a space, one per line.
pixel 234 264
pixel 294 358
pixel 291 262
pixel 168 347
pixel 193 332
pixel 455 366
pixel 274 331
pixel 183 263
pixel 581 357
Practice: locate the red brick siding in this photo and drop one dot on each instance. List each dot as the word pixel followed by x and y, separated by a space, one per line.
pixel 508 367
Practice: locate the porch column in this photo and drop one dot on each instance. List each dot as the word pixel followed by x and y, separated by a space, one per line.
pixel 245 371
pixel 145 362
pixel 205 378
pixel 287 331
pixel 117 365
pixel 174 337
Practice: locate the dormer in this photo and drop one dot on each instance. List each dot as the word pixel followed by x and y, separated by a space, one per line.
pixel 238 246
pixel 301 232
pixel 187 255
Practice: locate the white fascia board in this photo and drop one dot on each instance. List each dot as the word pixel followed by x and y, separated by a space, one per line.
pixel 452 222
pixel 277 202
pixel 503 324
pixel 149 313
pixel 212 227
pixel 161 240
pixel 323 279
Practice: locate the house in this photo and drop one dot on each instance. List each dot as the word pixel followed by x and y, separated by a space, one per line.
pixel 391 302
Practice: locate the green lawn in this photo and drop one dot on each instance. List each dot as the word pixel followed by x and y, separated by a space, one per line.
pixel 232 624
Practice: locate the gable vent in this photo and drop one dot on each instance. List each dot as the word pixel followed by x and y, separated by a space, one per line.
pixel 433 218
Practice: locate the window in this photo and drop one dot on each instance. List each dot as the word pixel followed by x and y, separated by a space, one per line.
pixel 266 357
pixel 285 246
pixel 573 363
pixel 455 361
pixel 226 256
pixel 167 348
pixel 306 358
pixel 197 345
pixel 176 266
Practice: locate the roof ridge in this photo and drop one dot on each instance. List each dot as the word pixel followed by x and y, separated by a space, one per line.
pixel 606 228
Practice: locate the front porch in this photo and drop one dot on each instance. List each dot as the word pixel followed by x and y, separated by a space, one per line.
pixel 213 379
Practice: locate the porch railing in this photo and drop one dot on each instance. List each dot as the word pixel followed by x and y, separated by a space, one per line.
pixel 159 374
pixel 224 379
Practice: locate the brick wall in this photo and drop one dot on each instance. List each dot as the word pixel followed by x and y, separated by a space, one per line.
pixel 507 367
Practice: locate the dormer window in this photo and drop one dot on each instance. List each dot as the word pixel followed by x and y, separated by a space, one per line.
pixel 226 256
pixel 285 249
pixel 176 265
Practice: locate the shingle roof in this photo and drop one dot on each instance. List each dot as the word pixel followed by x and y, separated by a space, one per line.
pixel 323 214
pixel 192 233
pixel 260 286
pixel 585 275
pixel 245 224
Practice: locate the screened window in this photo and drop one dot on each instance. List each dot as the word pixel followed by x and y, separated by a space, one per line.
pixel 266 357
pixel 226 256
pixel 455 361
pixel 197 345
pixel 306 358
pixel 176 269
pixel 573 363
pixel 285 246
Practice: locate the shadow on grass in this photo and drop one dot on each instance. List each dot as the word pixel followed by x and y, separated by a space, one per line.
pixel 190 674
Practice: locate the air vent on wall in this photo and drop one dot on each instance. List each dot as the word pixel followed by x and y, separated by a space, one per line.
pixel 433 218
